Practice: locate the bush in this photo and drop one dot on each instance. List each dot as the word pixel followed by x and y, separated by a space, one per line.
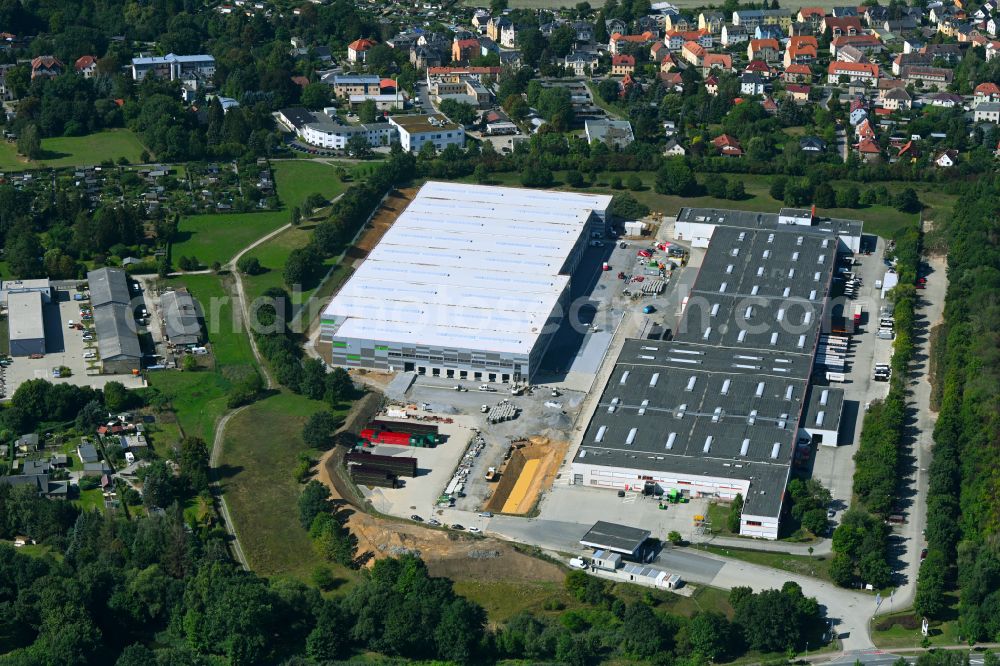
pixel 89 483
pixel 249 265
pixel 634 183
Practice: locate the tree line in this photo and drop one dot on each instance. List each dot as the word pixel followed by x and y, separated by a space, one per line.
pixel 963 513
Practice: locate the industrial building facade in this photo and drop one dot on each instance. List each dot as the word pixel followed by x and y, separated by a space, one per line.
pixel 720 410
pixel 114 321
pixel 470 282
pixel 696 225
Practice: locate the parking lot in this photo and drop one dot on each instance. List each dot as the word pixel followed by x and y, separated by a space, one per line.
pixel 834 466
pixel 65 347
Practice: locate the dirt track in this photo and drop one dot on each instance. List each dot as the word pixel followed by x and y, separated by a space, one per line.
pixel 387 213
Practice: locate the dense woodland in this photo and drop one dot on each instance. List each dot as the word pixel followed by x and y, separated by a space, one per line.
pixel 963 513
pixel 154 591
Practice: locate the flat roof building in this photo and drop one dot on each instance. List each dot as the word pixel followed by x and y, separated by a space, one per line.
pixel 27 324
pixel 719 410
pixel 469 282
pixel 181 317
pixel 42 285
pixel 415 131
pixel 696 225
pixel 620 539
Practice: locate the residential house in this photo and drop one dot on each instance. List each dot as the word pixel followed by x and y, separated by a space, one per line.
pixel 946 100
pixel 850 53
pixel 838 26
pixel 584 32
pixel 946 159
pixel 173 67
pixel 797 92
pixel 846 10
pixel 751 18
pixel 480 20
pixel 27 443
pixel 797 74
pixel 769 105
pixel 668 63
pixel 854 71
pixel 728 146
pixel 711 21
pixel 985 92
pixel 857 116
pixel 864 130
pixel 693 53
pixel 769 32
pixel 87 452
pixel 751 84
pixel 812 144
pixel 46 66
pixel 86 66
pixel 581 63
pixel 720 61
pixel 464 50
pixel 910 59
pixel 908 150
pixel 759 67
pixel 612 133
pixel 679 23
pixel 763 49
pixel 733 34
pixel 416 131
pixel 712 86
pixel 987 112
pixel 657 51
pixel 425 57
pixel 619 41
pixel 897 99
pixel 868 150
pixel 622 65
pixel 869 44
pixel 674 149
pixel 357 51
pixel 801 50
pixel 496 25
pixel 812 15
pixel 927 77
pixel 345 85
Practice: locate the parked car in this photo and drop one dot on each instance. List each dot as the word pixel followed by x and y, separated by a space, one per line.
pixel 486 514
pixel 435 523
pixel 456 526
pixel 416 518
pixel 475 530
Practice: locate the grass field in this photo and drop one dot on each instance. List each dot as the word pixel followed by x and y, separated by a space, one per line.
pixel 502 600
pixel 213 238
pixel 90 500
pixel 902 629
pixel 260 450
pixel 817 566
pixel 76 151
pixel 880 220
pixel 199 397
pixel 296 180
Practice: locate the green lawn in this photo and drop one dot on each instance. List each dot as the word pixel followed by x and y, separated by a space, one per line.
pixel 90 500
pixel 902 629
pixel 259 453
pixel 816 566
pixel 296 180
pixel 76 151
pixel 880 220
pixel 213 238
pixel 199 397
pixel 272 256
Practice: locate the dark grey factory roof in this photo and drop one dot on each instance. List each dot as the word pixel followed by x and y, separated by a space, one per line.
pixel 618 538
pixel 748 219
pixel 180 317
pixel 108 285
pixel 298 116
pixel 725 397
pixel 116 332
pixel 824 408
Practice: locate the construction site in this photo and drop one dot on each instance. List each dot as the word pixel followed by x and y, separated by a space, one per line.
pixel 529 468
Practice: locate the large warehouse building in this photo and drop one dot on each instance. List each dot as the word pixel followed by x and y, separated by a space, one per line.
pixel 114 320
pixel 469 282
pixel 27 327
pixel 719 410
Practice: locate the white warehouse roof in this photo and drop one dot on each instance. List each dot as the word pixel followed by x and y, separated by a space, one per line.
pixel 25 315
pixel 466 266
